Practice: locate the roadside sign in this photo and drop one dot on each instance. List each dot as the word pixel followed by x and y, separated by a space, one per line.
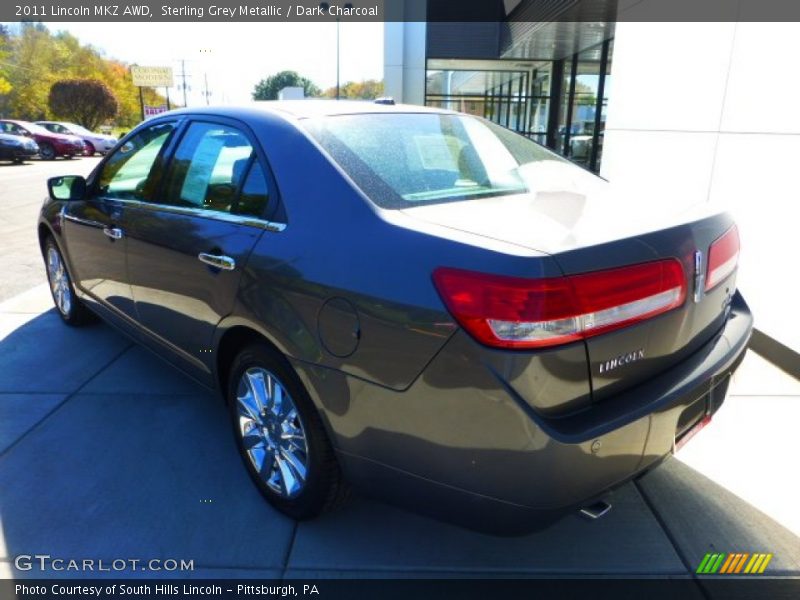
pixel 152 76
pixel 152 111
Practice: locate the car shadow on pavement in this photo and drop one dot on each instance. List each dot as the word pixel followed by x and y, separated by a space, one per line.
pixel 108 453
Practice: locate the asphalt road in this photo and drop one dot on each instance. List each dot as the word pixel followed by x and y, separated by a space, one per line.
pixel 22 189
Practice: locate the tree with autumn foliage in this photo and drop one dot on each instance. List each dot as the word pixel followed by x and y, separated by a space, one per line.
pixel 33 59
pixel 369 89
pixel 5 48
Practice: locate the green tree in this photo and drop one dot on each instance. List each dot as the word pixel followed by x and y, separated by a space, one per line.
pixel 88 102
pixel 267 89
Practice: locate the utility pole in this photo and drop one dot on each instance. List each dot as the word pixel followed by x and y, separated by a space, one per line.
pixel 206 93
pixel 183 80
pixel 337 58
pixel 325 6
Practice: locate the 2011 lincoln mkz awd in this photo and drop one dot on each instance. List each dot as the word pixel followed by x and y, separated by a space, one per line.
pixel 415 302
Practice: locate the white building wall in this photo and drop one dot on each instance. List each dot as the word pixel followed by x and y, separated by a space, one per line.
pixel 704 113
pixel 404 61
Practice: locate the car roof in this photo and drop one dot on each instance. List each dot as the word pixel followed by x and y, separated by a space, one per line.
pixel 312 108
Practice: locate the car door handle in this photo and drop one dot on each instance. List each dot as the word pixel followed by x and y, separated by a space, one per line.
pixel 113 232
pixel 217 260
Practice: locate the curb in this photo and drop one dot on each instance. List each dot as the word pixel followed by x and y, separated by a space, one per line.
pixel 783 357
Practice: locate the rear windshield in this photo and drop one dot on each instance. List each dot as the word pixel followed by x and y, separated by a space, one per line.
pixel 402 160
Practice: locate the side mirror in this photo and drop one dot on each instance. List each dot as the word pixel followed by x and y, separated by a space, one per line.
pixel 67 187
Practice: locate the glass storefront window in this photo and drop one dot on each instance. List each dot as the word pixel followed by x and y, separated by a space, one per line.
pixel 522 96
pixel 580 130
pixel 604 107
pixel 515 95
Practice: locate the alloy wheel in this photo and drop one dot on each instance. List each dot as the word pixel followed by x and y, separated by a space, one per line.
pixel 59 281
pixel 47 152
pixel 272 433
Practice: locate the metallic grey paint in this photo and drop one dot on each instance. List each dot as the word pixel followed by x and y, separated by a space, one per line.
pixel 419 412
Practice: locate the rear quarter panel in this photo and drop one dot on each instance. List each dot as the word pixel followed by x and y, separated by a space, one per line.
pixel 338 245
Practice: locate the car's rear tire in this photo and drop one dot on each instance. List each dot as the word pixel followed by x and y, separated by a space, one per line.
pixel 280 435
pixel 69 306
pixel 47 152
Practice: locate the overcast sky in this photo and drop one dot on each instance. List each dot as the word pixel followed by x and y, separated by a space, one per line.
pixel 237 55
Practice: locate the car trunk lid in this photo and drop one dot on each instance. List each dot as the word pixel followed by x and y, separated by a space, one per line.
pixel 585 233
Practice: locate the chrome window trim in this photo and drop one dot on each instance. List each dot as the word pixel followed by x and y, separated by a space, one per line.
pixel 80 221
pixel 204 213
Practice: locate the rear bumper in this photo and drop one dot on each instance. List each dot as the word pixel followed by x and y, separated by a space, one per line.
pixel 459 445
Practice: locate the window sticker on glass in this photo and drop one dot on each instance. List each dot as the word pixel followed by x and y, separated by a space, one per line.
pixel 195 186
pixel 437 152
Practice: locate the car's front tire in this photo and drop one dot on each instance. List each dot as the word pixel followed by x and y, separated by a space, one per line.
pixel 89 149
pixel 47 152
pixel 280 435
pixel 70 307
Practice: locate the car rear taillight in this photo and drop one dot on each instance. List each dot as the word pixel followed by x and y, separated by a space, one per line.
pixel 513 312
pixel 723 256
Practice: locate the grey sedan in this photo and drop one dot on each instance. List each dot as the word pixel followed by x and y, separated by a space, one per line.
pixel 413 302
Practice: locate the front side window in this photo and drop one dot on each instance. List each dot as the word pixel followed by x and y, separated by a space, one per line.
pixel 13 129
pixel 209 168
pixel 129 173
pixel 404 160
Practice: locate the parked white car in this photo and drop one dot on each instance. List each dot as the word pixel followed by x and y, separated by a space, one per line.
pixel 95 142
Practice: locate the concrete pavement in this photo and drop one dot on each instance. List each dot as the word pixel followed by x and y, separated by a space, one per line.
pixel 22 190
pixel 106 452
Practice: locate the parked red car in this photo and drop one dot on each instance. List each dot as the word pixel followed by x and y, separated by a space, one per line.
pixel 51 145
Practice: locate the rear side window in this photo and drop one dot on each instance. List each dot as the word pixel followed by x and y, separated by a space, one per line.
pixel 402 160
pixel 254 197
pixel 209 170
pixel 128 174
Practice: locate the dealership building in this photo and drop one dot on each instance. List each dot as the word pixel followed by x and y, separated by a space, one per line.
pixel 679 113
